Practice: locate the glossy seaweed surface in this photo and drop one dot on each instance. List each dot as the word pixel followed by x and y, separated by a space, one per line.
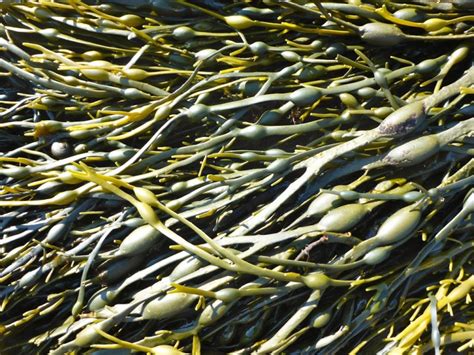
pixel 236 177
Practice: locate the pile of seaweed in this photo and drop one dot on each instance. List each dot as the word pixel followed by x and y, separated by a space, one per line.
pixel 234 176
